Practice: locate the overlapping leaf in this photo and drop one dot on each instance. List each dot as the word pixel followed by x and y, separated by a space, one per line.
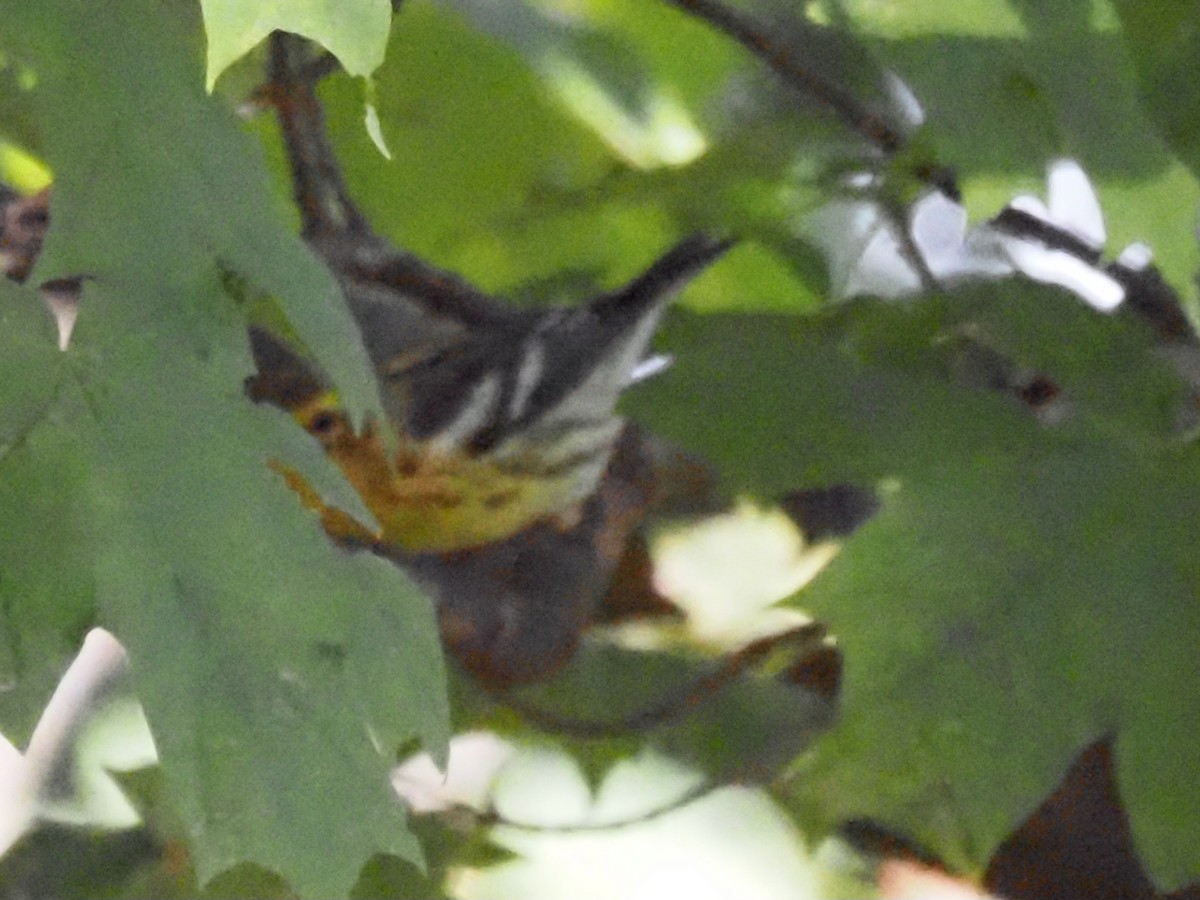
pixel 45 584
pixel 278 675
pixel 1024 590
pixel 355 32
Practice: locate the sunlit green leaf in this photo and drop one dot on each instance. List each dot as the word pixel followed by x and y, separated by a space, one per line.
pixel 355 31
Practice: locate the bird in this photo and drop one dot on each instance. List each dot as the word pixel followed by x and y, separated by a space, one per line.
pixel 499 475
pixel 498 421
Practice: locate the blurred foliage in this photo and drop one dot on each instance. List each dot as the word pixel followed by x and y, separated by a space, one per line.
pixel 1027 588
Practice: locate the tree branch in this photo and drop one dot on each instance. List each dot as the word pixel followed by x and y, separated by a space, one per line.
pixel 793 71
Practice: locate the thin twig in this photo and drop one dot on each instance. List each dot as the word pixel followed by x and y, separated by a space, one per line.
pixel 908 247
pixel 677 704
pixel 793 71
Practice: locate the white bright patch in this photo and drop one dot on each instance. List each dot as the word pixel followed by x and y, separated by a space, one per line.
pixel 862 250
pixel 529 375
pixel 726 573
pixel 475 758
pixel 1136 256
pixel 904 99
pixel 480 407
pixel 1096 288
pixel 650 366
pixel 17 802
pixel 730 843
pixel 866 255
pixel 1032 206
pixel 939 228
pixel 662 133
pixel 1073 202
pixel 86 731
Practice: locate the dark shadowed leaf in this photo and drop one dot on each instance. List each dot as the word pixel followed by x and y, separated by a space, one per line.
pixel 1023 590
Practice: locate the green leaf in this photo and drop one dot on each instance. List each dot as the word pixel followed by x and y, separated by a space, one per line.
pixel 31 367
pixel 45 589
pixel 990 645
pixel 743 728
pixel 355 31
pixel 278 674
pixel 58 861
pixel 1163 41
pixel 386 877
pixel 1025 589
pixel 145 145
pixel 614 76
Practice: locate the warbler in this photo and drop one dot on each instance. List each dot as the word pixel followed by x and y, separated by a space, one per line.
pixel 502 417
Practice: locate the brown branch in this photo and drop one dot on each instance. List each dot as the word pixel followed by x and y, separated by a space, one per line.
pixel 321 195
pixel 678 703
pixel 793 71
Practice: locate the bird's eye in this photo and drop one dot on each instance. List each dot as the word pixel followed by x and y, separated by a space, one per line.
pixel 323 424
